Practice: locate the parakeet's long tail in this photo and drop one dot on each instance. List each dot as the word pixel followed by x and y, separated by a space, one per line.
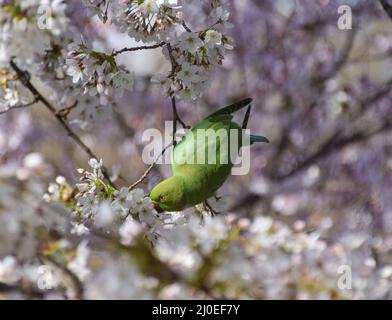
pixel 232 108
pixel 254 138
pixel 246 118
pixel 222 113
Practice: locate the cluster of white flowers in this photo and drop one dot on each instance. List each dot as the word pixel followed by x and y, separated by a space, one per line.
pixel 36 20
pixel 33 279
pixel 45 24
pixel 45 55
pixel 86 83
pixel 222 256
pixel 94 202
pixel 98 73
pixel 147 20
pixel 194 56
pixel 98 8
pixel 225 256
pixel 9 90
pixel 101 203
pixel 39 21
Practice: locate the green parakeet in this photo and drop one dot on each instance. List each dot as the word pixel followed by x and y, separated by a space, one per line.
pixel 195 178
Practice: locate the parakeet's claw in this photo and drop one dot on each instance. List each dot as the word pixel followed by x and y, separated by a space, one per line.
pixel 210 209
pixel 204 209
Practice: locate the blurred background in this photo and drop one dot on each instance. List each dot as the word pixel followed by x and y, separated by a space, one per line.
pixel 321 95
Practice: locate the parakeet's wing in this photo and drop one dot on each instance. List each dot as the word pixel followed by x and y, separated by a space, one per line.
pixel 185 152
pixel 194 147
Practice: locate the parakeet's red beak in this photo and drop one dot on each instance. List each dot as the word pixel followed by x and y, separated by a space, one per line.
pixel 157 207
pixel 155 204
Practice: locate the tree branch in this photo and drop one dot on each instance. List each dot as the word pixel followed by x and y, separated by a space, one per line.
pixel 176 117
pixel 149 169
pixel 24 77
pixel 337 142
pixel 187 29
pixel 19 106
pixel 155 46
pixel 105 16
pixel 387 7
pixel 342 58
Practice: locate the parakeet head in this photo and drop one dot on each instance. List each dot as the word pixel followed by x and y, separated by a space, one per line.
pixel 169 195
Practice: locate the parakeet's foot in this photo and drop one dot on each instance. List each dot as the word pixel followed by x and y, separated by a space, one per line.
pixel 210 209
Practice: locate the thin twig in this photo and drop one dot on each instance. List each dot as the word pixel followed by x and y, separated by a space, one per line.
pixel 176 117
pixel 387 7
pixel 155 46
pixel 327 149
pixel 105 16
pixel 19 106
pixel 173 98
pixel 183 23
pixel 173 61
pixel 24 77
pixel 174 107
pixel 147 172
pixel 342 58
pixel 65 111
pixel 175 113
pixel 337 141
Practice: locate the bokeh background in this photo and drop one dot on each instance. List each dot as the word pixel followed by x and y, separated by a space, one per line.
pixel 321 95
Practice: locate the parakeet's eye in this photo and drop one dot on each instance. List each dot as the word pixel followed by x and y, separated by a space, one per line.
pixel 162 198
